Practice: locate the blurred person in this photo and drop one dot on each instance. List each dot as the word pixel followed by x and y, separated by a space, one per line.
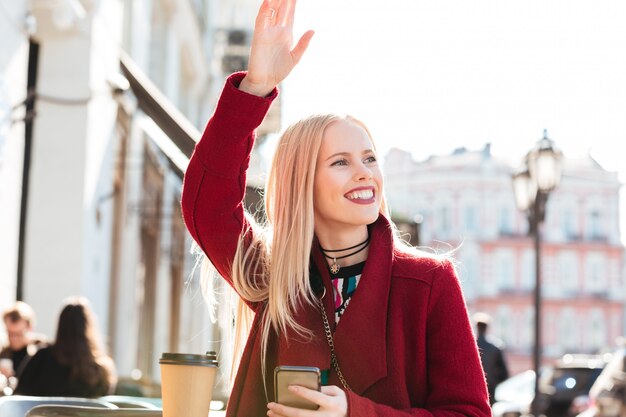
pixel 491 354
pixel 327 282
pixel 23 343
pixel 75 364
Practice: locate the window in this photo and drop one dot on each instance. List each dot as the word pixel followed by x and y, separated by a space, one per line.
pixel 595 227
pixel 444 220
pixel 505 327
pixel 549 332
pixel 595 273
pixel 567 272
pixel 568 330
pixel 597 329
pixel 505 221
pixel 470 219
pixel 505 265
pixel 528 270
pixel 468 273
pixel 568 223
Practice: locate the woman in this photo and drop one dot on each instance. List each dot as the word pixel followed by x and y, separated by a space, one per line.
pixel 75 365
pixel 326 278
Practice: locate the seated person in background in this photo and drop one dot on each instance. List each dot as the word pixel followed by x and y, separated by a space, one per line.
pixel 76 364
pixel 19 321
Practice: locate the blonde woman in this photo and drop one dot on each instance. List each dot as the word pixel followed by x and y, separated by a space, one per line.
pixel 327 282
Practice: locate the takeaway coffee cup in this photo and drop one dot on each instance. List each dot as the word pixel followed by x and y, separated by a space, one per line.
pixel 187 383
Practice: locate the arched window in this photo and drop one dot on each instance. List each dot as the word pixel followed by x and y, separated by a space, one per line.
pixel 595 225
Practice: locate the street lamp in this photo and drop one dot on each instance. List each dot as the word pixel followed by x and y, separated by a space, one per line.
pixel 540 175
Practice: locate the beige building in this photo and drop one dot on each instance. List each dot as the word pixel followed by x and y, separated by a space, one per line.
pixel 466 200
pixel 121 94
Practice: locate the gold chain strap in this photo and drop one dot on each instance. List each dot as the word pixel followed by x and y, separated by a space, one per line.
pixel 331 344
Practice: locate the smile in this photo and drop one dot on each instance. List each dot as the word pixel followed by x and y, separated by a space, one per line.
pixel 361 195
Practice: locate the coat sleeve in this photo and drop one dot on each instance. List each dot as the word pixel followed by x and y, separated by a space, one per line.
pixel 456 382
pixel 215 180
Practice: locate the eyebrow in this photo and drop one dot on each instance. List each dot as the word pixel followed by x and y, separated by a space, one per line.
pixel 365 152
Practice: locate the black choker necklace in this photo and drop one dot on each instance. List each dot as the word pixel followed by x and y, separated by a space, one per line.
pixel 334 268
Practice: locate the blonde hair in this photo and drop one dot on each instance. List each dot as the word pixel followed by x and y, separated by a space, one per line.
pixel 271 263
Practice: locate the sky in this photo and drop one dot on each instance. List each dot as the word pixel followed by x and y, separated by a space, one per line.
pixel 429 76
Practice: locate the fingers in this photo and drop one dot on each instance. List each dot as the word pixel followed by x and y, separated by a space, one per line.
pixel 332 401
pixel 266 16
pixel 332 390
pixel 308 394
pixel 279 410
pixel 302 45
pixel 284 12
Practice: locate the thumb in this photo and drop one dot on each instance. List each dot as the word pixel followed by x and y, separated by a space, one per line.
pixel 302 45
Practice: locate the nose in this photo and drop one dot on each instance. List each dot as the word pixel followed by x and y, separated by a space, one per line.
pixel 363 173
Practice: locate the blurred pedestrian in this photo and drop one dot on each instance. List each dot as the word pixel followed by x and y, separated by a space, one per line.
pixel 23 343
pixel 491 354
pixel 330 282
pixel 75 364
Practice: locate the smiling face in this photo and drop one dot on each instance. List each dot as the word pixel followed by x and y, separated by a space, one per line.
pixel 348 181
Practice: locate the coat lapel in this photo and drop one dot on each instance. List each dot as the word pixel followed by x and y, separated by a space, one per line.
pixel 360 338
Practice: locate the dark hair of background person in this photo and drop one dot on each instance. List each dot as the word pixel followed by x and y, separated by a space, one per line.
pixel 76 364
pixel 77 344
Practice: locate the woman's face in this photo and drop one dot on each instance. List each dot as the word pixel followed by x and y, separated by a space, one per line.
pixel 348 181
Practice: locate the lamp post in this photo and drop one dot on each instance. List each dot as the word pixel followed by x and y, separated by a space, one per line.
pixel 540 174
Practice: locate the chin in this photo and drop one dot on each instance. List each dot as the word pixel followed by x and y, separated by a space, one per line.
pixel 367 219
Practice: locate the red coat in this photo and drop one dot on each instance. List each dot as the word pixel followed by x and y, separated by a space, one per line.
pixel 404 344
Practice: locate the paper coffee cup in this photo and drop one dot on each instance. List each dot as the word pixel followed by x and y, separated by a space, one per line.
pixel 187 383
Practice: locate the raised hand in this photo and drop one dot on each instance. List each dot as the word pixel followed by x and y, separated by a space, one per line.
pixel 272 56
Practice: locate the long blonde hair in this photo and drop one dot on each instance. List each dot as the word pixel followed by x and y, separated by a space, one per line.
pixel 271 263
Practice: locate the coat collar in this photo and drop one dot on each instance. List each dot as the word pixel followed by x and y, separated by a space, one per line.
pixel 360 337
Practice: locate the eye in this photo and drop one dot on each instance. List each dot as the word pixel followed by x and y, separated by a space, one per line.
pixel 370 159
pixel 340 162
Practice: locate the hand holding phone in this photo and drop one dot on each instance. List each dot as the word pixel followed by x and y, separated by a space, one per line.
pixel 305 376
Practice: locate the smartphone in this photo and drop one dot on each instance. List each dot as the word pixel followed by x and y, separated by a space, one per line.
pixel 306 376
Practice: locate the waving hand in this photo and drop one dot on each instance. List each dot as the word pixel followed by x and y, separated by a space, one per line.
pixel 273 55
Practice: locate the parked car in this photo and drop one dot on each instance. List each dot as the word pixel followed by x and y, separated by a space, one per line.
pixel 514 395
pixel 608 393
pixel 564 389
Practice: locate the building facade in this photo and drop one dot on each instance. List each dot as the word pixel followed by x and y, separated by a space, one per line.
pixel 466 203
pixel 122 92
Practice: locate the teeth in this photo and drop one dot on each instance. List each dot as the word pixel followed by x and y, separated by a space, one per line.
pixel 362 194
